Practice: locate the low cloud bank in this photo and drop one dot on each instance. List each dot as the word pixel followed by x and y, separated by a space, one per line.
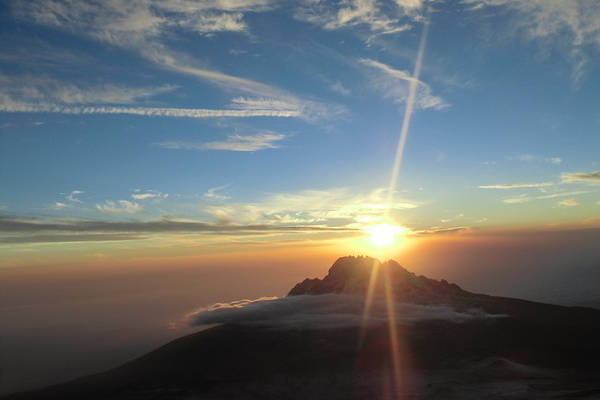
pixel 324 311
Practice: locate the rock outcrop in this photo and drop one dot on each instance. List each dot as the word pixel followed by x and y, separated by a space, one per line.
pixel 352 275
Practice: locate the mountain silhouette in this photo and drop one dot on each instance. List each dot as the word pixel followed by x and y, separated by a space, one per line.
pixel 509 349
pixel 352 275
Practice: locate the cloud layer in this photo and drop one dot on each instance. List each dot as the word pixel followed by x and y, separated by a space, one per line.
pixel 323 311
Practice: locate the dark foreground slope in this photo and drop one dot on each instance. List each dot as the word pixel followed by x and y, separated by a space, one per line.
pixel 536 351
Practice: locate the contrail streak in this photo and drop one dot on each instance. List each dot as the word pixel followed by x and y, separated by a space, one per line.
pixel 412 93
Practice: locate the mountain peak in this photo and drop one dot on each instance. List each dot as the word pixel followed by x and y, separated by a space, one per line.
pixel 352 275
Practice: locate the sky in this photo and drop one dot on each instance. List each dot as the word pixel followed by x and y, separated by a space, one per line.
pixel 218 124
pixel 157 156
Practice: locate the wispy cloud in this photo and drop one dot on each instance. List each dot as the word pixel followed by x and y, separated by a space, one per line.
pixel 350 13
pixel 561 194
pixel 122 206
pixel 441 231
pixel 581 177
pixel 453 218
pixel 72 197
pixel 214 193
pixel 568 203
pixel 517 200
pixel 58 206
pixel 531 158
pixel 573 24
pixel 149 195
pixel 338 87
pixel 524 198
pixel 8 105
pixel 69 238
pixel 517 185
pixel 45 90
pixel 262 141
pixel 554 160
pixel 393 84
pixel 142 25
pixel 30 225
pixel 122 22
pixel 288 105
pixel 36 95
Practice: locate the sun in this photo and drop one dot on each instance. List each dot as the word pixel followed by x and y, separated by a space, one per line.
pixel 384 235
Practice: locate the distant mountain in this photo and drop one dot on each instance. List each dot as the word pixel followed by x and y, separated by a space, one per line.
pixel 516 350
pixel 352 275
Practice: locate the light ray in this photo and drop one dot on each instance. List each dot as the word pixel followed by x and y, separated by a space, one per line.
pixel 412 93
pixel 391 312
pixel 369 299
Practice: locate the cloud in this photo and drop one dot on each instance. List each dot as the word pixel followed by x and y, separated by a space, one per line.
pixel 7 105
pixel 455 217
pixel 350 13
pixel 213 193
pixel 561 194
pixel 37 95
pixel 329 213
pixel 72 197
pixel 332 207
pixel 568 203
pixel 523 198
pixel 338 87
pixel 523 157
pixel 43 90
pixel 532 158
pixel 573 24
pixel 517 185
pixel 28 225
pixel 262 141
pixel 290 105
pixel 68 238
pixel 554 160
pixel 324 311
pixel 149 195
pixel 141 26
pixel 210 23
pixel 124 206
pixel 129 22
pixel 339 210
pixel 517 200
pixel 583 177
pixel 393 84
pixel 176 62
pixel 441 231
pixel 58 206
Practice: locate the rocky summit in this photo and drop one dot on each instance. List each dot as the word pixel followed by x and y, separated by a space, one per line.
pixel 352 275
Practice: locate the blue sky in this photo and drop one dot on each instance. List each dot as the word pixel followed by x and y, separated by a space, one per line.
pixel 287 114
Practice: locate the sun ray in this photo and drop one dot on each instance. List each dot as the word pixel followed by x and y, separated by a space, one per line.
pixel 408 113
pixel 369 299
pixel 391 312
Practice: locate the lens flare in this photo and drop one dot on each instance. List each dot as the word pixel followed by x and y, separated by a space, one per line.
pixel 384 235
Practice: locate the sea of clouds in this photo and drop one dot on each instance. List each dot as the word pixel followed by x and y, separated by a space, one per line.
pixel 325 311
